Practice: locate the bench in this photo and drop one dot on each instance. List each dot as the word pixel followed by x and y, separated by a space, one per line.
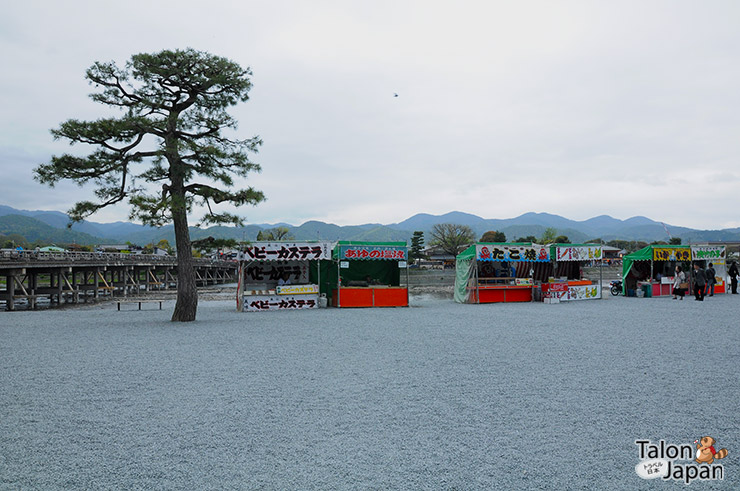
pixel 140 301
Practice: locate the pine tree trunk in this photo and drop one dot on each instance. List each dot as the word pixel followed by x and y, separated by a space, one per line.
pixel 187 292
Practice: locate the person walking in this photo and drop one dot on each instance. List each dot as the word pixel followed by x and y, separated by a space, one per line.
pixel 678 279
pixel 700 282
pixel 711 279
pixel 733 272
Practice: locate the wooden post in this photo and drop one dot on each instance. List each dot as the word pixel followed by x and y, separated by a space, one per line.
pixel 32 284
pixel 75 290
pixel 59 286
pixel 10 287
pixel 240 289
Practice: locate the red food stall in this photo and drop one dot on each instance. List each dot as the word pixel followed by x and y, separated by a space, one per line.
pixel 369 274
pixel 498 272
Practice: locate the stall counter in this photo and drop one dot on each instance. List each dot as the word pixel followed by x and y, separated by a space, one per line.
pixel 503 293
pixel 370 296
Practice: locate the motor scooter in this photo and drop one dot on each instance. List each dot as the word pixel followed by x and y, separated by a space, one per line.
pixel 616 287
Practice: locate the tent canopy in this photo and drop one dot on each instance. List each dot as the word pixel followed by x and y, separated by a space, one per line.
pixel 648 254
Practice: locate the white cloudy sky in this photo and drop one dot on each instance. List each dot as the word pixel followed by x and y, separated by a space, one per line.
pixel 577 108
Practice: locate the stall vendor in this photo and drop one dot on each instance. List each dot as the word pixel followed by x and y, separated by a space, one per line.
pixel 371 281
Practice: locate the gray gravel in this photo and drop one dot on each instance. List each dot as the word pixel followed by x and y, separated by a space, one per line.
pixel 436 396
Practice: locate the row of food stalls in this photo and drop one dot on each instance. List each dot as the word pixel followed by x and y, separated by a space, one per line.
pixel 307 275
pixel 313 274
pixel 526 272
pixel 651 269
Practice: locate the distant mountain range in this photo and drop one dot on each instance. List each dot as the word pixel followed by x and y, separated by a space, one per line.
pixel 51 226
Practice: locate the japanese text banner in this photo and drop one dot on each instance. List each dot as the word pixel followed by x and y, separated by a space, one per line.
pixel 579 253
pixel 373 252
pixel 671 254
pixel 283 251
pixel 531 253
pixel 716 253
pixel 295 272
pixel 264 303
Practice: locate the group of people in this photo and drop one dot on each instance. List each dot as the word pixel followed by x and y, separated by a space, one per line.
pixel 704 281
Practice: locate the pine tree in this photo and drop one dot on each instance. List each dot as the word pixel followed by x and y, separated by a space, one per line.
pixel 170 135
pixel 417 245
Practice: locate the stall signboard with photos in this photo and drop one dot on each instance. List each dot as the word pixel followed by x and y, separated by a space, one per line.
pixel 568 282
pixel 717 255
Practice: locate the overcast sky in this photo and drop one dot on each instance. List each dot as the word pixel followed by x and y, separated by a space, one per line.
pixel 575 108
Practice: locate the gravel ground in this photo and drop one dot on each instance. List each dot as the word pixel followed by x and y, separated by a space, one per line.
pixel 436 396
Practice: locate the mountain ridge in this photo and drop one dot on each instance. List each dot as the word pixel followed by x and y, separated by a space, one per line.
pixel 530 223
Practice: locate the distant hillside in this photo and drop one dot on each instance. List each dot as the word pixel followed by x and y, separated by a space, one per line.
pixel 603 226
pixel 57 219
pixel 535 224
pixel 35 230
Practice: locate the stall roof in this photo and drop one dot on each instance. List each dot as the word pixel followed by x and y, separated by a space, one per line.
pixel 646 253
pixel 591 244
pixel 361 243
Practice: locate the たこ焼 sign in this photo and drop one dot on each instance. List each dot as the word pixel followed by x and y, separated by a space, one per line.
pixel 504 252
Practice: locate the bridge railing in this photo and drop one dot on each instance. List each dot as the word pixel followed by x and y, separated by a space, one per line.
pixel 12 256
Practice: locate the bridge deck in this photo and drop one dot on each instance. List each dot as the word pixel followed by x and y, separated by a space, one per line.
pixel 30 276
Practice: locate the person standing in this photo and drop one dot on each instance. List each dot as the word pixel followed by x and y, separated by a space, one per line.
pixel 733 272
pixel 711 279
pixel 700 282
pixel 679 278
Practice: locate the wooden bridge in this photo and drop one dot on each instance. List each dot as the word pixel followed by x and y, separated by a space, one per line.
pixel 71 277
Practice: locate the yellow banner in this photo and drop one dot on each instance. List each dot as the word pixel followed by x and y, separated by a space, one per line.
pixel 296 289
pixel 671 254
